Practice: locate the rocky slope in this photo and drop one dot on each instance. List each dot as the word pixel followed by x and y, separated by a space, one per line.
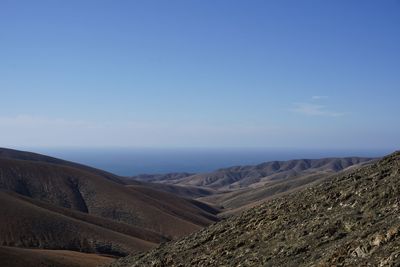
pixel 349 220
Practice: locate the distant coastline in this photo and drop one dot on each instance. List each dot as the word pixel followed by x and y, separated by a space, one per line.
pixel 130 161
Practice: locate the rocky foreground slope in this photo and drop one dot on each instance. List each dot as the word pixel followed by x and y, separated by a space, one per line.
pixel 352 219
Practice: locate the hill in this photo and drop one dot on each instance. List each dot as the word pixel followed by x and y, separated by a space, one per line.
pixel 21 257
pixel 240 187
pixel 32 224
pixel 162 182
pixel 43 197
pixel 162 177
pixel 351 219
pixel 6 153
pixel 191 192
pixel 261 174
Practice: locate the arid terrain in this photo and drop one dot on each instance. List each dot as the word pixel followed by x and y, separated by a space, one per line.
pixel 68 214
pixel 49 203
pixel 22 257
pixel 351 219
pixel 237 188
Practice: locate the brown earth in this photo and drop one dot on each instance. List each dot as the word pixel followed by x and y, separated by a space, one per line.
pixel 351 219
pixel 237 188
pixel 54 204
pixel 21 257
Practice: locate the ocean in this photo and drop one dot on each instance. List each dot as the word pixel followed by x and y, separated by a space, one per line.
pixel 133 161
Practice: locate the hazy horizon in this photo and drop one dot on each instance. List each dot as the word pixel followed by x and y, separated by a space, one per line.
pixel 134 161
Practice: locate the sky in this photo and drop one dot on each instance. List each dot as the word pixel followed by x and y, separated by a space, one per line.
pixel 191 73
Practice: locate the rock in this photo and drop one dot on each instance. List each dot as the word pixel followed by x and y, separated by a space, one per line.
pixel 360 251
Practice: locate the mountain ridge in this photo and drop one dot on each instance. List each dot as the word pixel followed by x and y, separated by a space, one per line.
pixel 239 187
pixel 240 176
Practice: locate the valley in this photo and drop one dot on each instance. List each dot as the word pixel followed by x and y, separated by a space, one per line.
pixel 51 207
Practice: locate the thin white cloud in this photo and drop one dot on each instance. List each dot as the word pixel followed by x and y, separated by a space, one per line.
pixel 311 109
pixel 36 121
pixel 32 131
pixel 318 97
pixel 27 130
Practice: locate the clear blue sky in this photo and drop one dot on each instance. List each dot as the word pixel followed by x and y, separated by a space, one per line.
pixel 191 73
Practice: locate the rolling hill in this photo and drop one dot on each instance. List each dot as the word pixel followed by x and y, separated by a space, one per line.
pixel 55 204
pixel 258 175
pixel 240 187
pixel 59 210
pixel 350 219
pixel 6 153
pixel 22 257
pixel 32 224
